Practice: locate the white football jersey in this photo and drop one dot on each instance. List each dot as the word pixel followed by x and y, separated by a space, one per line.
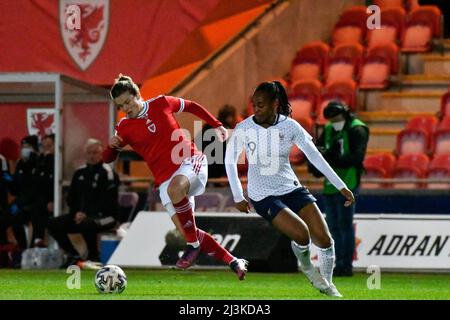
pixel 267 151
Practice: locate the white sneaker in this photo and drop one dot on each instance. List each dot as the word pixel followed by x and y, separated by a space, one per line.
pixel 317 281
pixel 88 264
pixel 332 291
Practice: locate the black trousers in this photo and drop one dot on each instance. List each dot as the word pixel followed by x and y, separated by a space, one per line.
pixel 39 220
pixel 17 223
pixel 61 226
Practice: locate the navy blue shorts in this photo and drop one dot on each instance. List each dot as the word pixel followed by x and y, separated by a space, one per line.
pixel 269 207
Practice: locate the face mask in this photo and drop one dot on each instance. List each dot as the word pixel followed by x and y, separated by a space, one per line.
pixel 339 125
pixel 26 152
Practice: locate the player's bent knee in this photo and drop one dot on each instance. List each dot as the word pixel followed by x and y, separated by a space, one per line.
pixel 302 237
pixel 178 189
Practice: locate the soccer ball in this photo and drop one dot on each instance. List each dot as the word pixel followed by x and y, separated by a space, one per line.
pixel 110 279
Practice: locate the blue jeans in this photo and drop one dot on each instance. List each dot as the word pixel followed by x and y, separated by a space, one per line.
pixel 340 223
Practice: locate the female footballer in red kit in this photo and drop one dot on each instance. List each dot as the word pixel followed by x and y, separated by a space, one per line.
pixel 179 169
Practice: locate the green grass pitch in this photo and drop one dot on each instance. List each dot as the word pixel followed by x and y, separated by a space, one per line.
pixel 218 285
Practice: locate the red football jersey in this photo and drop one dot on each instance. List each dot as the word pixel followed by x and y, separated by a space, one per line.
pixel 156 135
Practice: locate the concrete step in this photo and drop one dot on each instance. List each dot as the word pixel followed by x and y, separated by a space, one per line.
pixel 417 101
pixel 423 82
pixel 441 46
pixel 436 64
pixel 389 119
pixel 371 151
pixel 383 138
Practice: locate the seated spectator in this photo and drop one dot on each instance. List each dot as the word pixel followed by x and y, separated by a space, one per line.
pixel 93 206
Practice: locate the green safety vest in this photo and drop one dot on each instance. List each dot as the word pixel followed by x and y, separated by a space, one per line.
pixel 349 175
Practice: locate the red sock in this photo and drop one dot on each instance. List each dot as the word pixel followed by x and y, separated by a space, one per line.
pixel 212 248
pixel 186 216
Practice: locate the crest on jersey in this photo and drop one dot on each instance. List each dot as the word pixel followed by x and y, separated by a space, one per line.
pixel 84 25
pixel 41 122
pixel 150 126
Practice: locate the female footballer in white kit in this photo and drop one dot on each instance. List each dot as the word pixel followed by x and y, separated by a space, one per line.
pixel 273 188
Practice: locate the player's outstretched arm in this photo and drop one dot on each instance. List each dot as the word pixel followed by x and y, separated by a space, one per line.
pixel 234 149
pixel 202 113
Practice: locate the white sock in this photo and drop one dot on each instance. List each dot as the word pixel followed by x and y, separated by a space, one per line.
pixel 326 261
pixel 303 254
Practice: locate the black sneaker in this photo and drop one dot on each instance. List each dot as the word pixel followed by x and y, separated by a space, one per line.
pixel 188 258
pixel 239 266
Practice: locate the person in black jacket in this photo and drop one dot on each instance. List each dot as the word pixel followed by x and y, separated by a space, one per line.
pixel 5 181
pixel 210 145
pixel 43 183
pixel 93 204
pixel 22 188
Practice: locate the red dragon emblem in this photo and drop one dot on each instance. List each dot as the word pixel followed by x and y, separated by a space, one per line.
pixel 40 122
pixel 85 41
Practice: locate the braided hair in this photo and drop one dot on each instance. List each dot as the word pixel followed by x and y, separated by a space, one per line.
pixel 275 90
pixel 123 84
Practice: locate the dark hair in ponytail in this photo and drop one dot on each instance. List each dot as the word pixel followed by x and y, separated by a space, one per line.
pixel 275 90
pixel 123 84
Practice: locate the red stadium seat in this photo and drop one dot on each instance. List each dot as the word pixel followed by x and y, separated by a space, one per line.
pixel 441 137
pixel 379 165
pixel 410 141
pixel 427 123
pixel 388 3
pixel 296 156
pixel 427 14
pixel 302 106
pixel 392 26
pixel 411 166
pixel 417 38
pixel 389 52
pixel 344 91
pixel 354 51
pixel 310 61
pixel 374 73
pixel 340 69
pixel 423 23
pixel 417 163
pixel 439 169
pixel 381 61
pixel 345 33
pixel 408 5
pixel 306 87
pixel 441 162
pixel 308 92
pixel 351 26
pixel 445 105
pixel 306 69
pixel 356 15
pixel 417 136
pixel 344 62
pixel 306 122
